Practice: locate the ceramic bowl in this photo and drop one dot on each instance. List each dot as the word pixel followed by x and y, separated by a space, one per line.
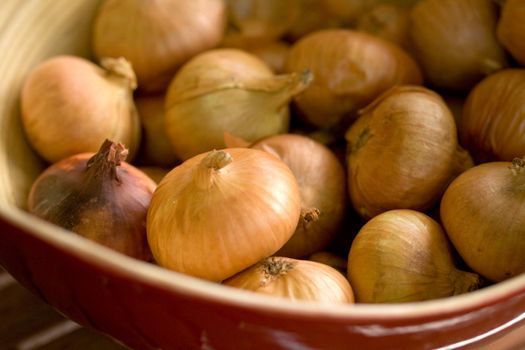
pixel 147 307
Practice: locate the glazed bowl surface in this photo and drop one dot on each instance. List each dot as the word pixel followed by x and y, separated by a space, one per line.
pixel 147 307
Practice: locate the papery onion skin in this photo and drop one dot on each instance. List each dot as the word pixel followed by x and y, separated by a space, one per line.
pixel 350 69
pixel 263 19
pixel 402 152
pixel 71 105
pixel 214 222
pixel 227 90
pixel 155 146
pixel 492 122
pixel 455 42
pixel 294 279
pixel 404 256
pixel 321 179
pixel 386 21
pixel 511 29
pixel 483 214
pixel 157 36
pixel 104 199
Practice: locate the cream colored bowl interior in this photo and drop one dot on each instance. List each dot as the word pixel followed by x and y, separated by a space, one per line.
pixel 31 31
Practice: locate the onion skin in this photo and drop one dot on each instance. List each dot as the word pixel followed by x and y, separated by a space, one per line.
pixel 402 152
pixel 455 42
pixel 71 105
pixel 511 29
pixel 227 90
pixel 483 214
pixel 157 36
pixel 294 279
pixel 386 21
pixel 492 121
pixel 98 196
pixel 321 179
pixel 221 212
pixel 155 147
pixel 404 256
pixel 350 69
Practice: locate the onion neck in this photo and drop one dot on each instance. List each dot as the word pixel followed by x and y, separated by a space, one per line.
pixel 103 165
pixel 120 70
pixel 290 85
pixel 518 166
pixel 209 166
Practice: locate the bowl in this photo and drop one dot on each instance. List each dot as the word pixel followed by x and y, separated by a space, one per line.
pixel 147 307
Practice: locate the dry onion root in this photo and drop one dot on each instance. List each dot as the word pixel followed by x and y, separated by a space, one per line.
pixel 483 214
pixel 221 212
pixel 294 279
pixel 404 256
pixel 227 90
pixel 350 69
pixel 157 37
pixel 98 196
pixel 403 151
pixel 71 105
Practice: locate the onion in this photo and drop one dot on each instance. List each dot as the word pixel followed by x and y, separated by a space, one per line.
pixel 404 256
pixel 386 21
pixel 157 36
pixel 455 41
pixel 155 147
pixel 71 105
pixel 227 90
pixel 98 196
pixel 492 121
pixel 350 69
pixel 295 280
pixel 511 29
pixel 403 152
pixel 221 212
pixel 483 214
pixel 268 19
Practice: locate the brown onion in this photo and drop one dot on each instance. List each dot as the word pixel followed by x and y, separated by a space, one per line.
pixel 321 180
pixel 350 69
pixel 71 105
pixel 98 196
pixel 295 280
pixel 157 36
pixel 272 52
pixel 155 147
pixel 221 212
pixel 404 256
pixel 268 19
pixel 492 121
pixel 455 41
pixel 403 152
pixel 483 214
pixel 386 21
pixel 511 29
pixel 227 90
